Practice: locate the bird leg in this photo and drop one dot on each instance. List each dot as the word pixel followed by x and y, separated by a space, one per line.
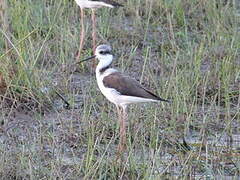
pixel 122 120
pixel 82 34
pixel 94 37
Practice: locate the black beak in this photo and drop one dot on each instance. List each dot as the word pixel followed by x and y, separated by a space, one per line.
pixel 92 57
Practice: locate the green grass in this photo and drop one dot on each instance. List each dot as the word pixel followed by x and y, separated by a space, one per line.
pixel 187 51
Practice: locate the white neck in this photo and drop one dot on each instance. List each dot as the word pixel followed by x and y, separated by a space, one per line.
pixel 104 61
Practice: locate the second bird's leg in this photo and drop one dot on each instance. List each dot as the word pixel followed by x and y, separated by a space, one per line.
pixel 94 35
pixel 82 36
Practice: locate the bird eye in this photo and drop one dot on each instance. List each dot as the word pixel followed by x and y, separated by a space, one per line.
pixel 104 52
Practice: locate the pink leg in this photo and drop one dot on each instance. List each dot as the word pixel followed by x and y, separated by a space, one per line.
pixel 82 35
pixel 94 36
pixel 122 119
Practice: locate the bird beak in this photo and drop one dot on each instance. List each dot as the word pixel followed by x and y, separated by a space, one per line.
pixel 92 57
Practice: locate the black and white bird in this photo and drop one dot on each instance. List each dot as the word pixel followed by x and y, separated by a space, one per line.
pixel 119 88
pixel 93 5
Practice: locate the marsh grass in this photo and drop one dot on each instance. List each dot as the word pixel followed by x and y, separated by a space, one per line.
pixel 187 51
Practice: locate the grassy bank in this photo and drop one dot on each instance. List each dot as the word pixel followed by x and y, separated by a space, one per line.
pixel 187 51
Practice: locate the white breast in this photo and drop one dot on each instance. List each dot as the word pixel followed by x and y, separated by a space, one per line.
pixel 92 4
pixel 111 94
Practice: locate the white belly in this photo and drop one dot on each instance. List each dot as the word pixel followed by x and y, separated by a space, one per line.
pixel 92 4
pixel 111 94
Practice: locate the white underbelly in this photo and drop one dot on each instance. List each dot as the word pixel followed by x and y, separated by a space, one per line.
pixel 111 94
pixel 92 4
